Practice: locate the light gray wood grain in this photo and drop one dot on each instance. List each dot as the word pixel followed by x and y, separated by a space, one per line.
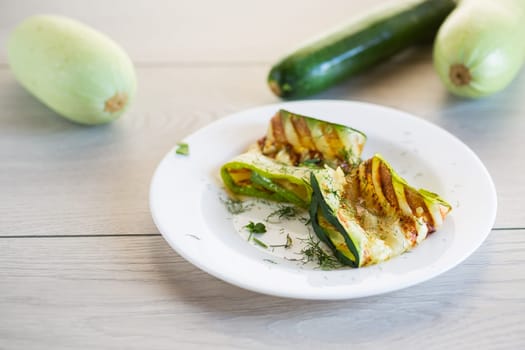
pixel 136 293
pixel 196 30
pixel 62 178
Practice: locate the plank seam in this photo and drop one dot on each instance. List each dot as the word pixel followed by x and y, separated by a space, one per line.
pixel 158 234
pixel 85 236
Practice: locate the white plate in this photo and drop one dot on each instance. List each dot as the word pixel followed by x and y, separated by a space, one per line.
pixel 186 206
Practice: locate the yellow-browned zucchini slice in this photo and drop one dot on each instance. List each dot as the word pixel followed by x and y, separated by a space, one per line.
pixel 299 140
pixel 278 167
pixel 371 214
pixel 255 175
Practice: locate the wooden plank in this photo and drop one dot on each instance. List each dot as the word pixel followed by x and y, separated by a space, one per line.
pixel 136 293
pixel 61 178
pixel 199 30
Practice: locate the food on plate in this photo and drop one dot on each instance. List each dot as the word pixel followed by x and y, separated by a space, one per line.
pixel 357 46
pixel 479 48
pixel 371 214
pixel 253 174
pixel 73 69
pixel 278 166
pixel 298 140
pixel 362 210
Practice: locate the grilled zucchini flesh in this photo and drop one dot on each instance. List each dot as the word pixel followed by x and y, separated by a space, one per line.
pixel 255 175
pixel 278 166
pixel 371 214
pixel 298 140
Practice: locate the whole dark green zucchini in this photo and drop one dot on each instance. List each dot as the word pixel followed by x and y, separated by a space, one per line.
pixel 358 46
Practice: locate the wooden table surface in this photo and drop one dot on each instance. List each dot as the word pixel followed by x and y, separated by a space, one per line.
pixel 82 265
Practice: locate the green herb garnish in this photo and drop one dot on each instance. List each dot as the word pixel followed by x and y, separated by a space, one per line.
pixel 347 155
pixel 305 221
pixel 314 252
pixel 313 162
pixel 287 245
pixel 183 149
pixel 260 243
pixel 270 261
pixel 235 206
pixel 285 212
pixel 256 227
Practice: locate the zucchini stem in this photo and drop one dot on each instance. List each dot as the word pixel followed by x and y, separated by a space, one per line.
pixel 274 86
pixel 459 74
pixel 116 102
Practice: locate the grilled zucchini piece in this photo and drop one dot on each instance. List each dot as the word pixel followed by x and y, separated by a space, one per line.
pixel 255 175
pixel 371 214
pixel 299 140
pixel 278 166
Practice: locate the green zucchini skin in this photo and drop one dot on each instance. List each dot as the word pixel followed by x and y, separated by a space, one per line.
pixel 264 176
pixel 318 207
pixel 358 46
pixel 279 193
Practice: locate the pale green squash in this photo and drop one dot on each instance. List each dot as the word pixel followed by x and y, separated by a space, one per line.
pixel 480 47
pixel 73 69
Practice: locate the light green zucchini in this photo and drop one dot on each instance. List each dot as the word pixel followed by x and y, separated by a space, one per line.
pixel 73 69
pixel 480 47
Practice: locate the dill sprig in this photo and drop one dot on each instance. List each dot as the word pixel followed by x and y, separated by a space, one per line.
pixel 313 252
pixel 253 227
pixel 235 206
pixel 306 221
pixel 284 212
pixel 312 163
pixel 270 261
pixel 286 245
pixel 258 227
pixel 260 243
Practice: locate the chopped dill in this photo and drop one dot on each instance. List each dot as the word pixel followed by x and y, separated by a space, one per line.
pixel 260 243
pixel 235 206
pixel 305 221
pixel 286 245
pixel 345 153
pixel 270 261
pixel 314 253
pixel 284 212
pixel 312 162
pixel 183 149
